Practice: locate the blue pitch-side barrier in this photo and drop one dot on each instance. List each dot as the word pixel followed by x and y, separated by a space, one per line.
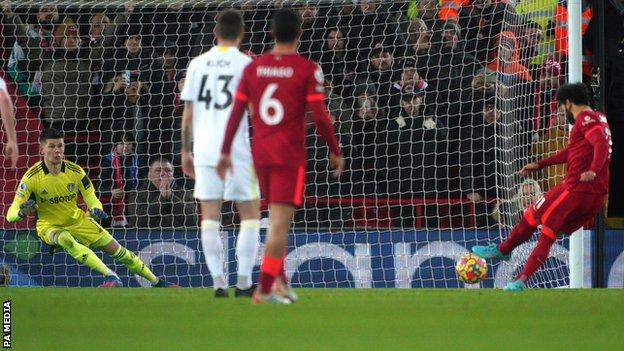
pixel 346 259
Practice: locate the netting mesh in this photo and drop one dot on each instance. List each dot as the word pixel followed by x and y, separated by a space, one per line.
pixel 437 104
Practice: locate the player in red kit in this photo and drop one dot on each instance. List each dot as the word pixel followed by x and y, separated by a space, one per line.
pixel 575 201
pixel 278 88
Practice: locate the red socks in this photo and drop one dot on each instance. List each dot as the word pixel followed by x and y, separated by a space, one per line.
pixel 522 232
pixel 537 256
pixel 271 268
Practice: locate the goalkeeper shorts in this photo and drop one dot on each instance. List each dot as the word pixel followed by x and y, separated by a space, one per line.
pixel 85 229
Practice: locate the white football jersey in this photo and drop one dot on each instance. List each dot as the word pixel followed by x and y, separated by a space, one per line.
pixel 211 82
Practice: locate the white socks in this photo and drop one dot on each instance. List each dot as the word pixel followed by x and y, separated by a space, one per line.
pixel 246 251
pixel 213 251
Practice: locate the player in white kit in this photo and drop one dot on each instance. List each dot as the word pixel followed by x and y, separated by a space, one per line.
pixel 8 121
pixel 211 81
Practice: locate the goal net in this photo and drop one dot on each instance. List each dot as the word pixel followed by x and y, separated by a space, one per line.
pixel 437 105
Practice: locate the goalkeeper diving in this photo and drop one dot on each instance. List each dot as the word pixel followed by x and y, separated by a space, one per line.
pixel 49 190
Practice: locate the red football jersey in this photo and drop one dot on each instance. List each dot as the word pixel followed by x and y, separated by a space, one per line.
pixel 589 150
pixel 278 88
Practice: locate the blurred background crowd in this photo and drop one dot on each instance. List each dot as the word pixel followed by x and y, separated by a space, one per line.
pixel 436 102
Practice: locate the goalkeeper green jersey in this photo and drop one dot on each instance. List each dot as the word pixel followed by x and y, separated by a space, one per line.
pixel 55 195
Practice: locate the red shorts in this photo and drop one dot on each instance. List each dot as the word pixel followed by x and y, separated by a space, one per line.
pixel 283 185
pixel 561 211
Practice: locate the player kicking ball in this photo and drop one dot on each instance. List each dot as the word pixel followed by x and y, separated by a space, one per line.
pixel 278 87
pixel 50 189
pixel 570 204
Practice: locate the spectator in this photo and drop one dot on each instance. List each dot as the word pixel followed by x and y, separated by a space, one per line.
pixel 162 101
pixel 124 110
pixel 504 59
pixel 119 175
pixel 337 63
pixel 416 149
pixel 482 21
pixel 131 57
pixel 448 71
pixel 381 71
pixel 159 203
pixel 312 30
pixel 428 12
pixel 419 37
pixel 553 140
pixel 531 51
pixel 174 24
pixel 506 212
pixel 367 26
pixel 25 62
pixel 409 81
pixel 65 80
pixel 478 155
pixel 545 100
pixel 365 139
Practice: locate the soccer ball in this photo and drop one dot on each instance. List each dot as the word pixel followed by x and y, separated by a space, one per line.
pixel 471 268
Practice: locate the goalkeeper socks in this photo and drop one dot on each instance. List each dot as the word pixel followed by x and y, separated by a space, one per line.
pixel 134 264
pixel 246 251
pixel 537 256
pixel 522 232
pixel 213 251
pixel 269 269
pixel 82 254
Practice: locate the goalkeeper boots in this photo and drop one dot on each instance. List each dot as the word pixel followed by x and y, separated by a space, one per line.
pixel 490 251
pixel 165 284
pixel 111 281
pixel 515 286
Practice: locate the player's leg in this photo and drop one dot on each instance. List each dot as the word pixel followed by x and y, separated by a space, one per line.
pixel 536 258
pixel 212 244
pixel 110 246
pixel 280 216
pixel 209 191
pixel 242 187
pixel 79 252
pixel 559 216
pixel 247 244
pixel 524 229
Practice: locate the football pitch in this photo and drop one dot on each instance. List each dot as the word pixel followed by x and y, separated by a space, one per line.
pixel 323 319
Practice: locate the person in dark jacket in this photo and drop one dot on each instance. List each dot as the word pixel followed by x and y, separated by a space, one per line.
pixel 160 203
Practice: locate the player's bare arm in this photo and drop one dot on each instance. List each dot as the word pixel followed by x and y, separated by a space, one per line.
pixel 187 140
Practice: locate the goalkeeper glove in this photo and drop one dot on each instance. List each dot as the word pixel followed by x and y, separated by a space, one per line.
pixel 98 213
pixel 27 208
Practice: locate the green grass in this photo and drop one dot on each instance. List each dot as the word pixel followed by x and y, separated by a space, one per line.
pixel 90 319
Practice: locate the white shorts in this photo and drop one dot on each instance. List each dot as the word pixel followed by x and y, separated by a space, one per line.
pixel 241 184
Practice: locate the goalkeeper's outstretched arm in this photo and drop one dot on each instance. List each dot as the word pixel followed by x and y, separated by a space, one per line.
pixel 88 194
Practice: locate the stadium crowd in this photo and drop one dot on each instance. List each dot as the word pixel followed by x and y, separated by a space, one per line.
pixel 431 99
